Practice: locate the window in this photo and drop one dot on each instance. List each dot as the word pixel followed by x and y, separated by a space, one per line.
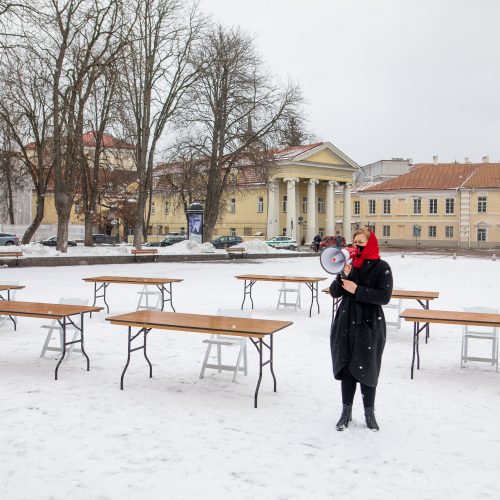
pixel 433 206
pixel 448 231
pixel 304 205
pixel 386 230
pixel 232 206
pixel 432 231
pixel 165 208
pixel 284 231
pixel 284 203
pixel 357 208
pixel 321 205
pixel 481 204
pixel 450 206
pixel 417 205
pixel 387 207
pixel 247 231
pixel 78 209
pixel 153 209
pixel 232 231
pixel 481 234
pixel 260 204
pixel 371 207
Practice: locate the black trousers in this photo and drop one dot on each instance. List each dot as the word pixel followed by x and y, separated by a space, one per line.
pixel 349 389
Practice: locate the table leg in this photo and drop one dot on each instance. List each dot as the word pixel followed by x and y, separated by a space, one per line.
pixel 81 342
pixel 130 350
pixel 63 325
pixel 170 296
pixel 247 290
pixel 425 306
pixel 259 345
pixel 102 286
pixel 314 295
pixel 10 317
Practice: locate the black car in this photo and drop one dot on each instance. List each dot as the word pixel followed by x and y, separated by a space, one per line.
pixel 226 241
pixel 169 240
pixel 103 239
pixel 52 242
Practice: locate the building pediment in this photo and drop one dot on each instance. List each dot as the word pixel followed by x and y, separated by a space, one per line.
pixel 327 154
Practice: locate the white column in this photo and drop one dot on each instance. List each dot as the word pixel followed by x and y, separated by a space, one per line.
pixel 312 220
pixel 291 207
pixel 347 213
pixel 273 209
pixel 330 208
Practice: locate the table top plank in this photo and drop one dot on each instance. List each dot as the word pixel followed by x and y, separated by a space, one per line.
pixel 202 323
pixel 43 310
pixel 407 294
pixel 451 317
pixel 287 279
pixel 11 287
pixel 131 280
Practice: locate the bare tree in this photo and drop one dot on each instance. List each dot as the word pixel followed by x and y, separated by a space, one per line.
pixel 157 71
pixel 26 111
pixel 235 113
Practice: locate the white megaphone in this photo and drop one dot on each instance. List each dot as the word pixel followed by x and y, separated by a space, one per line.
pixel 333 259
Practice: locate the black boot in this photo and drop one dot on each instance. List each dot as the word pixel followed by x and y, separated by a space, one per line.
pixel 345 418
pixel 371 423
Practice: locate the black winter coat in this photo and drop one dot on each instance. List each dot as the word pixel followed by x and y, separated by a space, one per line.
pixel 358 331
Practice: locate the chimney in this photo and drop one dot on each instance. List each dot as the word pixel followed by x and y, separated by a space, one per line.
pixel 486 159
pixel 467 159
pixel 435 160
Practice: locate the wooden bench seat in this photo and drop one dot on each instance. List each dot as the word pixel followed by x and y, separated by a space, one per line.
pixel 153 252
pixel 12 253
pixel 234 251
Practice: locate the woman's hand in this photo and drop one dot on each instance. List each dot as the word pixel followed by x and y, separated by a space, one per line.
pixel 347 269
pixel 349 286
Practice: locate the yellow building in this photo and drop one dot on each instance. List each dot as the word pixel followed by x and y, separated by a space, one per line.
pixel 300 200
pixel 438 204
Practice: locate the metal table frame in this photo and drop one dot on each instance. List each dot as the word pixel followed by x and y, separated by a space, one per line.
pixel 250 282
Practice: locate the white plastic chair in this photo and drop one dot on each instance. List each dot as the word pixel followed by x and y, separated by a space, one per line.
pixel 56 326
pixel 3 319
pixel 482 333
pixel 145 294
pixel 288 288
pixel 229 341
pixel 398 305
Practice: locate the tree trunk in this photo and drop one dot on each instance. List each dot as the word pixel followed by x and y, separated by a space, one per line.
pixel 63 215
pixel 9 192
pixel 89 224
pixel 35 224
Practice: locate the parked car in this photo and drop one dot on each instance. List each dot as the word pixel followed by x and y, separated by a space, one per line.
pixel 283 242
pixel 169 240
pixel 52 242
pixel 103 239
pixel 328 241
pixel 8 239
pixel 226 241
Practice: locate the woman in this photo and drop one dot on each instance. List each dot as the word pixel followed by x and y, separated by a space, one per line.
pixel 358 332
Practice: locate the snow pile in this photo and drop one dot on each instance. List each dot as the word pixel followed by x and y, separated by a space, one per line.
pixel 187 247
pixel 256 246
pixel 36 250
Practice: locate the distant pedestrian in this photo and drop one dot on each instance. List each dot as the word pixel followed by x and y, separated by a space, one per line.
pixel 317 241
pixel 339 240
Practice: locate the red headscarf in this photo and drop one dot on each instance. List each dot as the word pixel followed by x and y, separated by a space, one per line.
pixel 370 252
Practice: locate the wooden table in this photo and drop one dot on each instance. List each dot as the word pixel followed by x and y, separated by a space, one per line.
pixel 422 297
pixel 60 312
pixel 160 283
pixel 257 330
pixel 418 316
pixel 251 279
pixel 8 288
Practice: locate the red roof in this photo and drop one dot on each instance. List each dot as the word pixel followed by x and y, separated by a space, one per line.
pixel 108 141
pixel 444 176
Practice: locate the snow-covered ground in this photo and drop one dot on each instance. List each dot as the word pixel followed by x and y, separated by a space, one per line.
pixel 178 437
pixel 186 247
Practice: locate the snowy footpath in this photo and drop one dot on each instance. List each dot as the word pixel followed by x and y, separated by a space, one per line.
pixel 178 437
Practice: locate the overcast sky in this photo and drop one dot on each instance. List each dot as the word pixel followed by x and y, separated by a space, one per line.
pixel 386 78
